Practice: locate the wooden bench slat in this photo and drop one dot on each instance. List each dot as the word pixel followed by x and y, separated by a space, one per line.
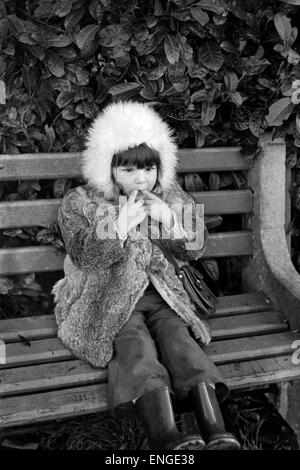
pixel 28 379
pixel 32 166
pixel 249 324
pixel 239 243
pixel 39 351
pixel 76 401
pixel 238 349
pixel 212 159
pixel 242 303
pixel 36 327
pixel 53 405
pixel 257 373
pixel 251 347
pixel 43 377
pixel 44 326
pixel 222 327
pixel 225 202
pixel 43 212
pixel 48 258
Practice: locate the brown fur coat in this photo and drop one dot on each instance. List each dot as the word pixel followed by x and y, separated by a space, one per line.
pixel 103 280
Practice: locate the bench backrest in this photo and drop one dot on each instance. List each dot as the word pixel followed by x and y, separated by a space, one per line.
pixel 43 212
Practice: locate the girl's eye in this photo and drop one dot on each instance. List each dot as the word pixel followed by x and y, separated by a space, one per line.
pixel 128 170
pixel 150 168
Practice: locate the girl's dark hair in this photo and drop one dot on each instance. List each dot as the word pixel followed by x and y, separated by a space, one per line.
pixel 141 156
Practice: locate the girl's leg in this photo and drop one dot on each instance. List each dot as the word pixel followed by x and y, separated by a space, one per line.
pixel 181 354
pixel 135 369
pixel 192 373
pixel 136 374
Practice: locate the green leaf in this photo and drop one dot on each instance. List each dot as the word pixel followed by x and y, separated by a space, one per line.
pixel 38 52
pixel 44 10
pixel 85 109
pixel 197 71
pixel 199 138
pixel 211 268
pixel 64 7
pixel 185 48
pixel 59 187
pixel 69 113
pixel 156 73
pixel 113 35
pixel 68 52
pixel 252 65
pixel 125 89
pixel 231 81
pixel 279 112
pixel 64 98
pixel 73 18
pixel 236 98
pixel 255 125
pixel 82 76
pixel 60 41
pixel 210 55
pixel 283 27
pixel 5 285
pixel 30 78
pixel 216 6
pixel 199 15
pixel 96 11
pixel 228 47
pixel 84 95
pixel 199 95
pixel 171 49
pixel 208 112
pixel 25 38
pixel 56 65
pixel 266 82
pixel 86 35
pixel 176 71
pixel 214 181
pixel 147 93
pixel 25 281
pixel 18 25
pixel 182 84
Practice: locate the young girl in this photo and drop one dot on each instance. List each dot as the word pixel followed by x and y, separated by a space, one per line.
pixel 120 303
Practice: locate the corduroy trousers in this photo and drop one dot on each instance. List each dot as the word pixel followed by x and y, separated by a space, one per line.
pixel 155 349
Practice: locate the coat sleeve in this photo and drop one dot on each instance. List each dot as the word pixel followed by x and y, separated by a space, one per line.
pixel 79 223
pixel 192 246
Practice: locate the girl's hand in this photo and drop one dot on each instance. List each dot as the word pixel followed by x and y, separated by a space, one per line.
pixel 158 209
pixel 131 215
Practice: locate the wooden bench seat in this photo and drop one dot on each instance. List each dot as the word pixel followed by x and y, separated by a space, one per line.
pixel 251 345
pixel 253 332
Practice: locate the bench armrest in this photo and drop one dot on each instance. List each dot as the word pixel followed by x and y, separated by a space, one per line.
pixel 272 265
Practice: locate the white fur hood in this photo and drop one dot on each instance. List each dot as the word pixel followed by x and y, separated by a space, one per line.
pixel 121 126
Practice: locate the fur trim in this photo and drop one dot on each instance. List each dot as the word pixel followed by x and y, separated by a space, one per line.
pixel 120 126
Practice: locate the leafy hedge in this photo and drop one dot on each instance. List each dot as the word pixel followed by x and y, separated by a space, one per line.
pixel 219 71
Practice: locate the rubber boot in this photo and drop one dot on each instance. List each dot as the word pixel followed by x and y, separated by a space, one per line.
pixel 210 419
pixel 156 412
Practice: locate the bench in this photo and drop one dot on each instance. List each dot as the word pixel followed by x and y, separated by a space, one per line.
pixel 255 330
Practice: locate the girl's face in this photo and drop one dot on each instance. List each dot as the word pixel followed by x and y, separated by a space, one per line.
pixel 129 178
